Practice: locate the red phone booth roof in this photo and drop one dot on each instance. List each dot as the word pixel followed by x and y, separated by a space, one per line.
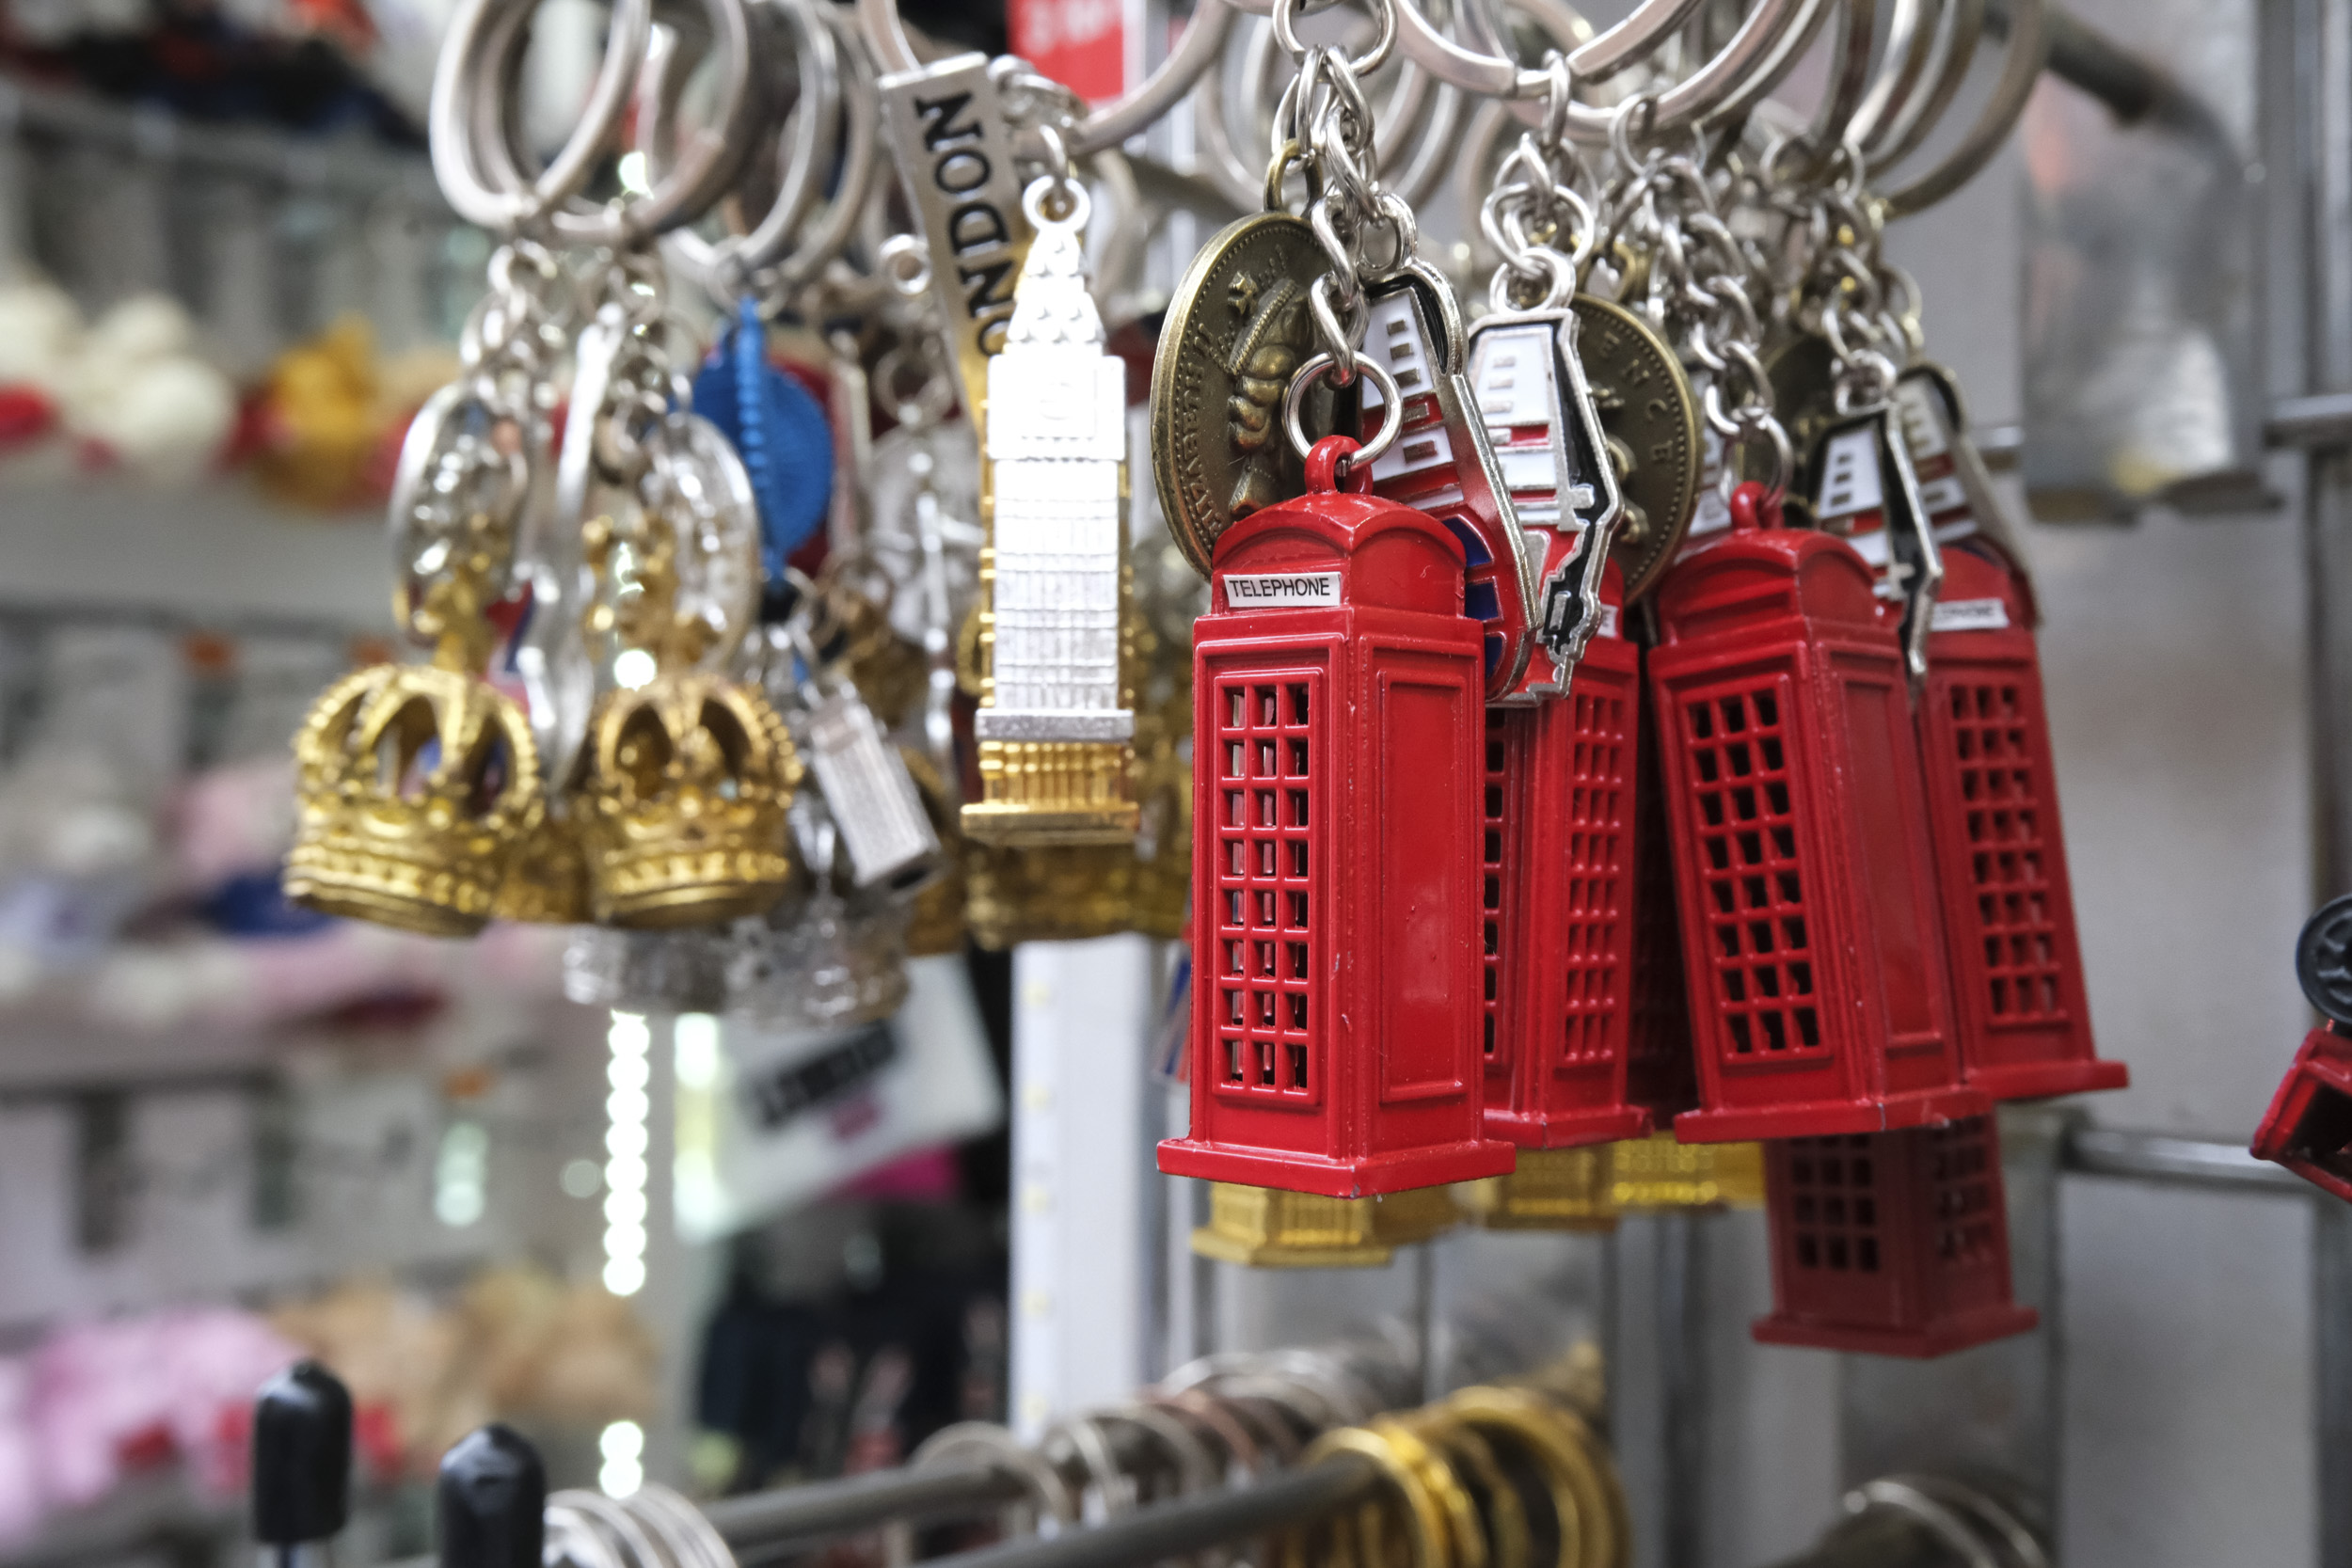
pixel 1969 575
pixel 1386 554
pixel 1756 574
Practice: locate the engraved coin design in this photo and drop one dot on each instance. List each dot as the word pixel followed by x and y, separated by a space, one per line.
pixel 1236 329
pixel 1652 424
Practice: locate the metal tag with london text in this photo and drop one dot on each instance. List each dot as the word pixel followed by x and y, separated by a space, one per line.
pixel 955 159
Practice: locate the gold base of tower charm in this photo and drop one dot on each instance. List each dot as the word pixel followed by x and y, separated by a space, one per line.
pixel 1047 792
pixel 1552 1188
pixel 1657 1172
pixel 1059 892
pixel 1265 1227
pixel 386 839
pixel 681 802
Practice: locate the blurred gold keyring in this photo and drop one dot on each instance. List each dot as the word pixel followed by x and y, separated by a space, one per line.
pixel 1582 1482
pixel 1428 1528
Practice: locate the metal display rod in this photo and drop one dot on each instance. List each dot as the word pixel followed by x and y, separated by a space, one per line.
pixel 1182 1525
pixel 2189 1162
pixel 853 1503
pixel 2133 90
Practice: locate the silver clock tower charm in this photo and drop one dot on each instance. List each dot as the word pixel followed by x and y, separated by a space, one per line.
pixel 1054 728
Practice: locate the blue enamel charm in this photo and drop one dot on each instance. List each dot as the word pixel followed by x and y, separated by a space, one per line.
pixel 779 429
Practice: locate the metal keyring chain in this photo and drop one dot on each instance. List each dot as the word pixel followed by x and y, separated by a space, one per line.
pixel 706 164
pixel 1842 283
pixel 476 448
pixel 1221 150
pixel 1663 205
pixel 1194 51
pixel 1324 124
pixel 1532 203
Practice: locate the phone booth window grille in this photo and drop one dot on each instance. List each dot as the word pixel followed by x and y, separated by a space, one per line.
pixel 1592 1029
pixel 1753 909
pixel 1265 882
pixel 1892 1244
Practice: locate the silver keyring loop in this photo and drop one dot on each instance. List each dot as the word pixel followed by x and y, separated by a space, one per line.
pixel 1953 48
pixel 1696 97
pixel 1285 13
pixel 706 164
pixel 598 1512
pixel 685 1528
pixel 1391 424
pixel 1202 41
pixel 1071 190
pixel 2028 50
pixel 1896 1494
pixel 808 139
pixel 489 28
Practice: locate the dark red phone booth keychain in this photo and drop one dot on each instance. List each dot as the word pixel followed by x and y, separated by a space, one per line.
pixel 1339 693
pixel 1890 1244
pixel 1557 844
pixel 1984 739
pixel 1812 935
pixel 2309 1126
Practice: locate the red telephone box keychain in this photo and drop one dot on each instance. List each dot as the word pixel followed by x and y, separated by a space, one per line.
pixel 1811 933
pixel 2308 1128
pixel 1557 846
pixel 1338 692
pixel 1984 737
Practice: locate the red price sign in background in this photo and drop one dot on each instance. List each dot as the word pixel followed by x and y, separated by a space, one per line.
pixel 1079 43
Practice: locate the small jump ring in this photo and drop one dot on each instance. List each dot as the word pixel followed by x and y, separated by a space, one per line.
pixel 1286 33
pixel 1078 206
pixel 1391 424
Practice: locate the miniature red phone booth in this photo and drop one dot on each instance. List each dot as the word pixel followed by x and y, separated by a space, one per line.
pixel 1557 889
pixel 1890 1244
pixel 1339 704
pixel 2009 909
pixel 2309 1126
pixel 1811 934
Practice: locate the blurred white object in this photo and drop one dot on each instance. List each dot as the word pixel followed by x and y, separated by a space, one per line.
pixel 784 1118
pixel 41 335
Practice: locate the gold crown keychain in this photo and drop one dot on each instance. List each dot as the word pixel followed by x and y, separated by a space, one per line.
pixel 682 791
pixel 415 783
